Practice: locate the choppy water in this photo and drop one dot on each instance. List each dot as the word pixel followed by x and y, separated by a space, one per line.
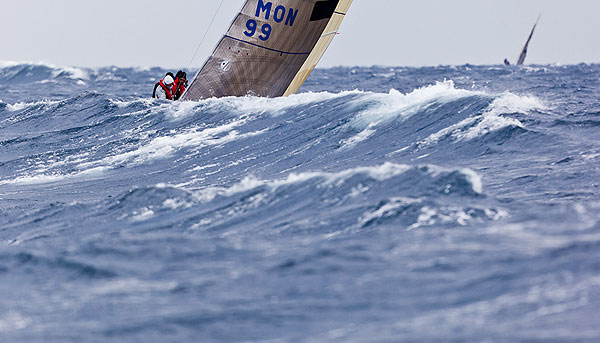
pixel 441 204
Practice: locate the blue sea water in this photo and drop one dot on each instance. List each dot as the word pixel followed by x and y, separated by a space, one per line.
pixel 381 204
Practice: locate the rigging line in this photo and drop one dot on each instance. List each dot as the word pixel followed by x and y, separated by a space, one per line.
pixel 205 33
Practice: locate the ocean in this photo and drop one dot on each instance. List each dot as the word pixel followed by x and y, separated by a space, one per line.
pixel 380 204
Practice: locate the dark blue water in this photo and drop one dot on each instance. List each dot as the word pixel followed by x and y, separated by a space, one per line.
pixel 439 204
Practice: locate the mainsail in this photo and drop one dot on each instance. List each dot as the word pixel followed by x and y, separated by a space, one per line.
pixel 270 48
pixel 524 51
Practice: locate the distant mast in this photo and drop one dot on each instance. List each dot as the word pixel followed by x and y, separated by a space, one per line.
pixel 524 51
pixel 270 48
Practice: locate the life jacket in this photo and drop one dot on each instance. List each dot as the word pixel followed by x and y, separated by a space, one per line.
pixel 165 88
pixel 178 89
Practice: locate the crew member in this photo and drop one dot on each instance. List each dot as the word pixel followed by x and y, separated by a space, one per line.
pixel 164 88
pixel 506 62
pixel 179 85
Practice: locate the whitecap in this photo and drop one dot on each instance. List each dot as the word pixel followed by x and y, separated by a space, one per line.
pixel 124 104
pixel 273 106
pixel 380 173
pixel 142 215
pixel 34 179
pixel 165 146
pixel 492 119
pixel 381 108
pixel 71 72
pixel 361 136
pixel 23 105
pixel 43 178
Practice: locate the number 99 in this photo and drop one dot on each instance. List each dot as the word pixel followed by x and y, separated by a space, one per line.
pixel 251 25
pixel 266 30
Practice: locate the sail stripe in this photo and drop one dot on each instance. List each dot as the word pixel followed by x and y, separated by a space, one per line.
pixel 264 47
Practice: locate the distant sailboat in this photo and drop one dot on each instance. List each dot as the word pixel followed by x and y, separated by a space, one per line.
pixel 523 54
pixel 269 49
pixel 524 51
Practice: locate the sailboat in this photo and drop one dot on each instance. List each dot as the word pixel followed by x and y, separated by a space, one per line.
pixel 524 51
pixel 270 48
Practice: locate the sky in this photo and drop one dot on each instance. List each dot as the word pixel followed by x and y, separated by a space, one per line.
pixel 147 33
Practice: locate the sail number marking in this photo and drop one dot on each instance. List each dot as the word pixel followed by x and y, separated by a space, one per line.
pixel 265 10
pixel 252 25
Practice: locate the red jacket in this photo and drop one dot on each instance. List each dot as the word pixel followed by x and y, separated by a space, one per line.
pixel 178 89
pixel 168 92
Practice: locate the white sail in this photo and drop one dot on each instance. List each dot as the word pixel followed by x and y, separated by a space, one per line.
pixel 267 47
pixel 523 54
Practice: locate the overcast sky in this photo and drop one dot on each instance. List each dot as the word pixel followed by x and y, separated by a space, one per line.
pixel 376 32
